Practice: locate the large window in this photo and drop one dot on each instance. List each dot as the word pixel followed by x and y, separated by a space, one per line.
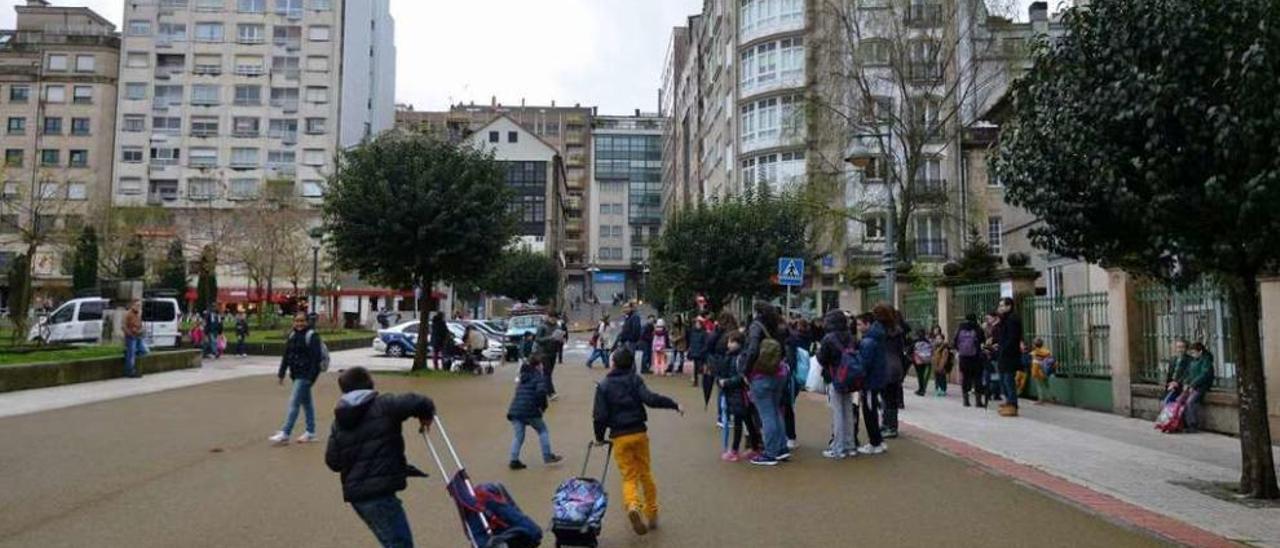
pixel 205 94
pixel 530 210
pixel 135 123
pixel 762 15
pixel 52 125
pixel 208 32
pixel 172 32
pixel 80 126
pixel 633 163
pixel 250 33
pixel 527 176
pixel 760 120
pixel 244 157
pixel 251 6
pixel 995 235
pixel 777 169
pixel 248 95
pixel 135 91
pixel 768 62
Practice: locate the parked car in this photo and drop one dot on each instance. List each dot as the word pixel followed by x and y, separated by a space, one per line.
pixel 402 340
pixel 493 329
pixel 522 322
pixel 76 321
pixel 160 322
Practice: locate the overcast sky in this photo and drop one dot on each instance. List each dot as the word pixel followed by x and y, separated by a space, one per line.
pixel 607 53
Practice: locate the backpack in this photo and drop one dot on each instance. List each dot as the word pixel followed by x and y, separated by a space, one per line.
pixel 770 355
pixel 324 351
pixel 967 343
pixel 850 374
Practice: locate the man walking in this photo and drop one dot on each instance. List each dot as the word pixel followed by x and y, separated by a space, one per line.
pixel 550 339
pixel 366 449
pixel 1009 354
pixel 133 346
pixel 302 355
pixel 629 336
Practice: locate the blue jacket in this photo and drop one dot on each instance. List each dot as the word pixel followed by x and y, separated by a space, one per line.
pixel 530 399
pixel 697 343
pixel 871 354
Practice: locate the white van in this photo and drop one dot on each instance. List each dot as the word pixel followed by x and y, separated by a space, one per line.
pixel 77 320
pixel 160 323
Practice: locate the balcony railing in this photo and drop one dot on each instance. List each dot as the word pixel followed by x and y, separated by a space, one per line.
pixel 928 191
pixel 288 44
pixel 249 70
pixel 207 70
pixel 924 72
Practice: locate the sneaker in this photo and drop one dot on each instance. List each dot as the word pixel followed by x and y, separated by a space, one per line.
pixel 637 521
pixel 653 523
pixel 833 455
pixel 762 460
pixel 307 437
pixel 784 457
pixel 873 449
pixel 553 397
pixel 889 433
pixel 280 438
pixel 516 465
pixel 792 444
pixel 720 425
pixel 728 456
pixel 553 459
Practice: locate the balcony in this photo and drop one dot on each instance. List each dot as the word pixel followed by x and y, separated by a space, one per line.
pixel 282 169
pixel 246 133
pixel 291 75
pixel 291 45
pixel 288 105
pixel 929 191
pixel 290 13
pixel 207 70
pixel 574 184
pixel 931 248
pixel 165 72
pixel 923 15
pixel 250 40
pixel 573 138
pixel 573 226
pixel 162 104
pixel 919 72
pixel 250 70
pixel 204 133
pixel 576 160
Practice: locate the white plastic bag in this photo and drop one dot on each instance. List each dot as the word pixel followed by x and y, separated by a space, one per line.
pixel 815 383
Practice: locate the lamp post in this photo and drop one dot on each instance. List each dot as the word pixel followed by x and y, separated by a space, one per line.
pixel 592 269
pixel 317 236
pixel 890 257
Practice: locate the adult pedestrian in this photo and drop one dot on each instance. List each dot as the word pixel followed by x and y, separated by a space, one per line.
pixel 895 356
pixel 563 328
pixel 242 333
pixel 599 348
pixel 549 339
pixel 872 356
pixel 831 351
pixel 302 355
pixel 646 344
pixel 366 449
pixel 1009 352
pixel 440 339
pixel 133 344
pixel 679 335
pixel 764 366
pixel 968 341
pixel 629 335
pixel 698 345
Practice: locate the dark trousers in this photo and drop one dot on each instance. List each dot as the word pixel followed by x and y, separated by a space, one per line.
pixel 548 369
pixel 868 400
pixel 922 377
pixel 753 432
pixel 891 397
pixel 646 358
pixel 385 517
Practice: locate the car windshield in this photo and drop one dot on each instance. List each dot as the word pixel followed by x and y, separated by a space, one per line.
pixel 525 322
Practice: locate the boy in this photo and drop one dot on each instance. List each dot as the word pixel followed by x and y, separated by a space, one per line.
pixel 367 449
pixel 621 398
pixel 302 356
pixel 526 409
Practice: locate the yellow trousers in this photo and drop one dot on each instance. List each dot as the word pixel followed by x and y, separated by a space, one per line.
pixel 632 454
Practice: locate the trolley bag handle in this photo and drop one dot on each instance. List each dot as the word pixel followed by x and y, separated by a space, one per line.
pixel 608 453
pixel 444 474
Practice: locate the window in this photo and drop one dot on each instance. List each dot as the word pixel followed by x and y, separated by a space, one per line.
pixel 135 91
pixel 137 59
pixel 874 52
pixel 165 156
pixel 281 157
pixel 248 95
pixel 169 125
pixel 995 235
pixel 244 157
pixel 19 94
pixel 13 157
pixel 57 62
pixel 926 116
pixel 513 136
pixel 77 191
pixel 283 128
pixel 313 157
pixel 8 224
pixel 251 6
pixel 82 95
pixel 131 155
pixel 312 189
pixel 55 94
pixel 245 126
pixel 204 94
pixel 250 33
pixel 209 5
pixel 760 120
pixel 18 125
pixel 288 37
pixel 873 228
pixel 11 189
pixel 208 32
pixel 244 189
pixel 204 126
pixel 207 64
pixel 79 126
pixel 757 16
pixel 202 157
pixel 929 175
pixel 316 126
pixel 993 178
pixel 875 170
pixel 530 209
pixel 201 188
pixel 318 33
pixel 288 66
pixel 285 98
pixel 171 32
pixel 289 8
pixel 129 186
pixel 317 94
pixel 316 63
pixel 168 95
pixel 78 158
pixel 49 190
pixel 139 27
pixel 50 157
pixel 494 137
pixel 322 5
pixel 163 190
pixel 135 123
pixel 84 63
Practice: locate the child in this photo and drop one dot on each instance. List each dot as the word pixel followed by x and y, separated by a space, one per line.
pixel 526 346
pixel 941 361
pixel 526 409
pixel 736 411
pixel 1040 355
pixel 366 448
pixel 990 351
pixel 1020 382
pixel 661 341
pixel 922 358
pixel 620 402
pixel 197 337
pixel 242 333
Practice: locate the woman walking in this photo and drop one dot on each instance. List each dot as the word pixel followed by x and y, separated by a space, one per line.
pixel 679 343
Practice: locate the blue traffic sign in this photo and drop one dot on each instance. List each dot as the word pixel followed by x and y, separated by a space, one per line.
pixel 791 271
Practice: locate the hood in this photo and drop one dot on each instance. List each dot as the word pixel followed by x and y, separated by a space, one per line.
pixel 876 332
pixel 835 322
pixel 352 407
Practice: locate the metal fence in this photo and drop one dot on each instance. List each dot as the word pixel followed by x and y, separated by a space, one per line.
pixel 976 299
pixel 871 295
pixel 921 308
pixel 1197 314
pixel 1076 329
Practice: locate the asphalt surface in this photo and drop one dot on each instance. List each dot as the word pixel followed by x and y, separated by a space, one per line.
pixel 192 467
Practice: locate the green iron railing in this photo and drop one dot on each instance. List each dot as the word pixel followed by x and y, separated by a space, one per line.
pixel 872 295
pixel 1076 329
pixel 976 299
pixel 1197 314
pixel 921 308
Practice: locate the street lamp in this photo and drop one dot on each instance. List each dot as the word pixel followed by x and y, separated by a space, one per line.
pixel 890 259
pixel 592 269
pixel 317 236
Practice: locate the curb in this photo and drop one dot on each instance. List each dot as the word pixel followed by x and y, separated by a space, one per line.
pixel 1103 505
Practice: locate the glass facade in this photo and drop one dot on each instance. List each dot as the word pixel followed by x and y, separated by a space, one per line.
pixel 637 161
pixel 528 182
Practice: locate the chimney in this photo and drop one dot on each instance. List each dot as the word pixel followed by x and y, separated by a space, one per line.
pixel 553 103
pixel 493 100
pixel 637 113
pixel 1038 12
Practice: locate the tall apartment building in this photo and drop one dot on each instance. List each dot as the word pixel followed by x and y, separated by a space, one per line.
pixel 225 100
pixel 626 202
pixel 58 73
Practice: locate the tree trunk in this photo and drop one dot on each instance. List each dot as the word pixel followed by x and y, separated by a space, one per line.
pixel 1257 470
pixel 424 327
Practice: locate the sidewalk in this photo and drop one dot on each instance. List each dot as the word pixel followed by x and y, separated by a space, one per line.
pixel 1117 456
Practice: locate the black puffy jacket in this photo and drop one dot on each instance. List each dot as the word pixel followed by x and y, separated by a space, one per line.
pixel 835 343
pixel 531 396
pixel 621 398
pixel 366 446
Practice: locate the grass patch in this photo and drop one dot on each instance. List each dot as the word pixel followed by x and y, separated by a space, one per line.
pixel 60 354
pixel 423 374
pixel 279 335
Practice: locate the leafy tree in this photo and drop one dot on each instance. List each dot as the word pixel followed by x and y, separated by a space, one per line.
pixel 729 249
pixel 84 272
pixel 410 210
pixel 1146 139
pixel 173 274
pixel 524 275
pixel 978 263
pixel 133 266
pixel 19 295
pixel 207 279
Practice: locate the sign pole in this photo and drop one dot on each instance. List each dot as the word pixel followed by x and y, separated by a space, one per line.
pixel 788 302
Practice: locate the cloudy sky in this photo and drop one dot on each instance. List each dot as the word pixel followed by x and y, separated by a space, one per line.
pixel 607 53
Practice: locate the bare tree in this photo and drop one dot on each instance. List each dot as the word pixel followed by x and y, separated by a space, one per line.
pixel 31 218
pixel 269 229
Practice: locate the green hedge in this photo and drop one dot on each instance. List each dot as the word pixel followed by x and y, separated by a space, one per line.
pixel 277 348
pixel 41 375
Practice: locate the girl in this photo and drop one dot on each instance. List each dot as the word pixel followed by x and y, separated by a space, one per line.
pixel 1040 354
pixel 941 360
pixel 989 350
pixel 922 358
pixel 197 336
pixel 661 342
pixel 736 411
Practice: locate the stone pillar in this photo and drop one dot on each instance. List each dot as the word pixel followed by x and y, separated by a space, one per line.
pixel 901 286
pixel 1021 281
pixel 946 314
pixel 847 301
pixel 1269 289
pixel 1126 347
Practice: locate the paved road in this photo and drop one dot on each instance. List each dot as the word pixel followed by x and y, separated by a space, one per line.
pixel 190 467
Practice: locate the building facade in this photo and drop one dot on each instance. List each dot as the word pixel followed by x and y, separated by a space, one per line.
pixel 58 76
pixel 626 202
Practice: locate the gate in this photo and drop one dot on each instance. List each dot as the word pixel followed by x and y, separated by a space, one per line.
pixel 1197 314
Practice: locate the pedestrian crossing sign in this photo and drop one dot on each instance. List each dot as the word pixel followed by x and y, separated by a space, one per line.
pixel 790 271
